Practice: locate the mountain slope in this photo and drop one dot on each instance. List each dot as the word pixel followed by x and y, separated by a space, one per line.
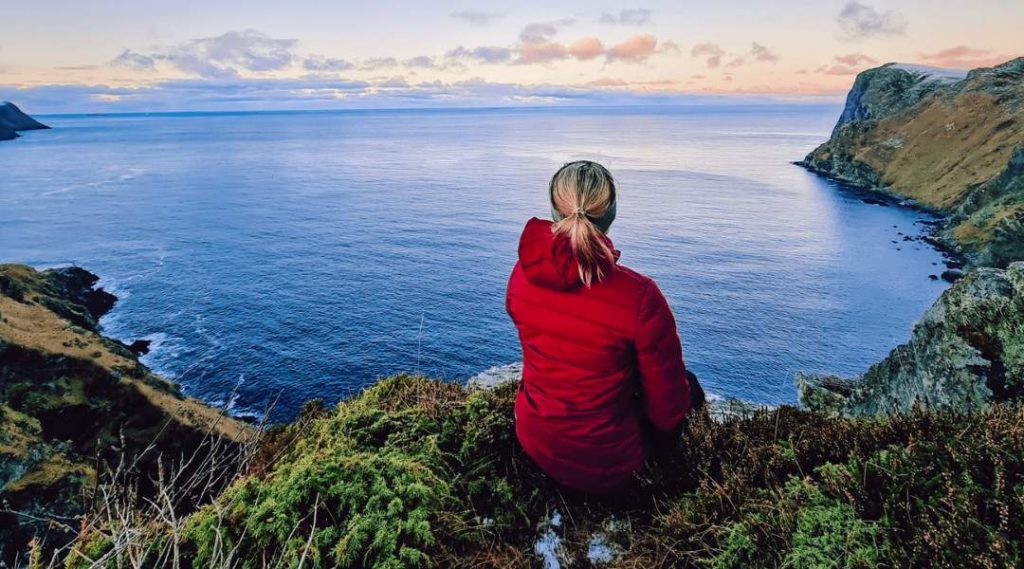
pixel 952 143
pixel 12 120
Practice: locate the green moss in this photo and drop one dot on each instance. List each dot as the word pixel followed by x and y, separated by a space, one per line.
pixel 415 472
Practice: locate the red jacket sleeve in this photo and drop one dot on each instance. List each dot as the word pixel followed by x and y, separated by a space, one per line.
pixel 664 387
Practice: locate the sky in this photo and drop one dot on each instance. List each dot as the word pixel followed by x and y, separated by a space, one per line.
pixel 70 56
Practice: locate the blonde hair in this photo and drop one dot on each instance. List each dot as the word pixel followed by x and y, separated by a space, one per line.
pixel 581 192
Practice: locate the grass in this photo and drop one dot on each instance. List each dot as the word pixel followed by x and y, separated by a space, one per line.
pixel 416 472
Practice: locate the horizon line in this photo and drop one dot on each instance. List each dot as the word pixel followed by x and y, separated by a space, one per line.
pixel 548 107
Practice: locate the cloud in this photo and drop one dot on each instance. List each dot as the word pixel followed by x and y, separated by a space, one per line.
pixel 482 54
pixel 536 45
pixel 475 17
pixel 220 57
pixel 849 64
pixel 225 55
pixel 762 53
pixel 375 63
pixel 607 82
pixel 320 93
pixel 963 57
pixel 586 49
pixel 134 60
pixel 396 82
pixel 711 52
pixel 536 33
pixel 858 21
pixel 321 63
pixel 421 61
pixel 736 62
pixel 634 17
pixel 854 59
pixel 634 49
pixel 541 52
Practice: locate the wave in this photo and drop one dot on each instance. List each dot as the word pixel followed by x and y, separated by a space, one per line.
pixel 131 174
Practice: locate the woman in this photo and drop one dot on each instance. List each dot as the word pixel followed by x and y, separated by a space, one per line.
pixel 603 370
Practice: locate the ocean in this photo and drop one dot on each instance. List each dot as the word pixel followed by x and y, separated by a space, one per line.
pixel 272 258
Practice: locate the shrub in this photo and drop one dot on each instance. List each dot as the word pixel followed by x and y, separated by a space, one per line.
pixel 415 472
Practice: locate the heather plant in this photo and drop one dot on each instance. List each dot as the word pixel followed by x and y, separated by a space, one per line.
pixel 416 472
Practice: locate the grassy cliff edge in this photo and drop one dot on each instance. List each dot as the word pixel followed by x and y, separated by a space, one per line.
pixel 419 472
pixel 74 403
pixel 950 142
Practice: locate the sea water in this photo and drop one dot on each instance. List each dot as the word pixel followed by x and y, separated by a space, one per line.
pixel 272 258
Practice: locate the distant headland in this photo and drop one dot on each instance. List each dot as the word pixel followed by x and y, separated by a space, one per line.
pixel 13 120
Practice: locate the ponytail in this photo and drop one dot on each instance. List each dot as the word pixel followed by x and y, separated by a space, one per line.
pixel 582 198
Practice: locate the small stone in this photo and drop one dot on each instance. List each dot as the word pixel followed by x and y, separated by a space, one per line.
pixel 952 275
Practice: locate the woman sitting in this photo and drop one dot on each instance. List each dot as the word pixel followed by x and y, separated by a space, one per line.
pixel 604 378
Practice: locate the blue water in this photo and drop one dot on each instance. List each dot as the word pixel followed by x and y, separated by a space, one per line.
pixel 288 256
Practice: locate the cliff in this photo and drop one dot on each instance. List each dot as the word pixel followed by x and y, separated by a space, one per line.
pixel 965 353
pixel 949 141
pixel 74 404
pixel 12 120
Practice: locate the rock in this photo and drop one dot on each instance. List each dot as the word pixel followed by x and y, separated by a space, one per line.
pixel 946 141
pixel 495 376
pixel 139 347
pixel 933 277
pixel 952 275
pixel 963 354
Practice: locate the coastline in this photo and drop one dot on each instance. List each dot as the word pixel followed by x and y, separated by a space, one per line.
pixel 954 256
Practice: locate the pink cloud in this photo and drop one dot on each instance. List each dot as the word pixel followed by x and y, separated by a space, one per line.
pixel 586 49
pixel 608 82
pixel 541 52
pixel 854 59
pixel 635 49
pixel 762 53
pixel 964 57
pixel 849 64
pixel 711 51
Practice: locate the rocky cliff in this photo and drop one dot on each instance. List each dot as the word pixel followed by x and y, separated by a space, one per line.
pixel 952 142
pixel 12 120
pixel 73 403
pixel 966 353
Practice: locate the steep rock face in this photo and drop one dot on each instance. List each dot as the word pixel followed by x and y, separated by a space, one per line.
pixel 12 119
pixel 965 353
pixel 953 143
pixel 73 402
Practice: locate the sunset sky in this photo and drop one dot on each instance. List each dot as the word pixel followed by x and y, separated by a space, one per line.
pixel 148 55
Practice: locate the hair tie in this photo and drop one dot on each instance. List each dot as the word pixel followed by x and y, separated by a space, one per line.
pixel 580 212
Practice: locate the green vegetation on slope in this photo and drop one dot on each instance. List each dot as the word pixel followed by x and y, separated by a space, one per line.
pixel 954 146
pixel 74 404
pixel 416 472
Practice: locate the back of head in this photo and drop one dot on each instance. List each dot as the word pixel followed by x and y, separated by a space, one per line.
pixel 583 205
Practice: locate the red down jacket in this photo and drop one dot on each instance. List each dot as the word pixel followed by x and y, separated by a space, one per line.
pixel 600 364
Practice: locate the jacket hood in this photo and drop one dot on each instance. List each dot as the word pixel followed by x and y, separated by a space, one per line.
pixel 548 260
